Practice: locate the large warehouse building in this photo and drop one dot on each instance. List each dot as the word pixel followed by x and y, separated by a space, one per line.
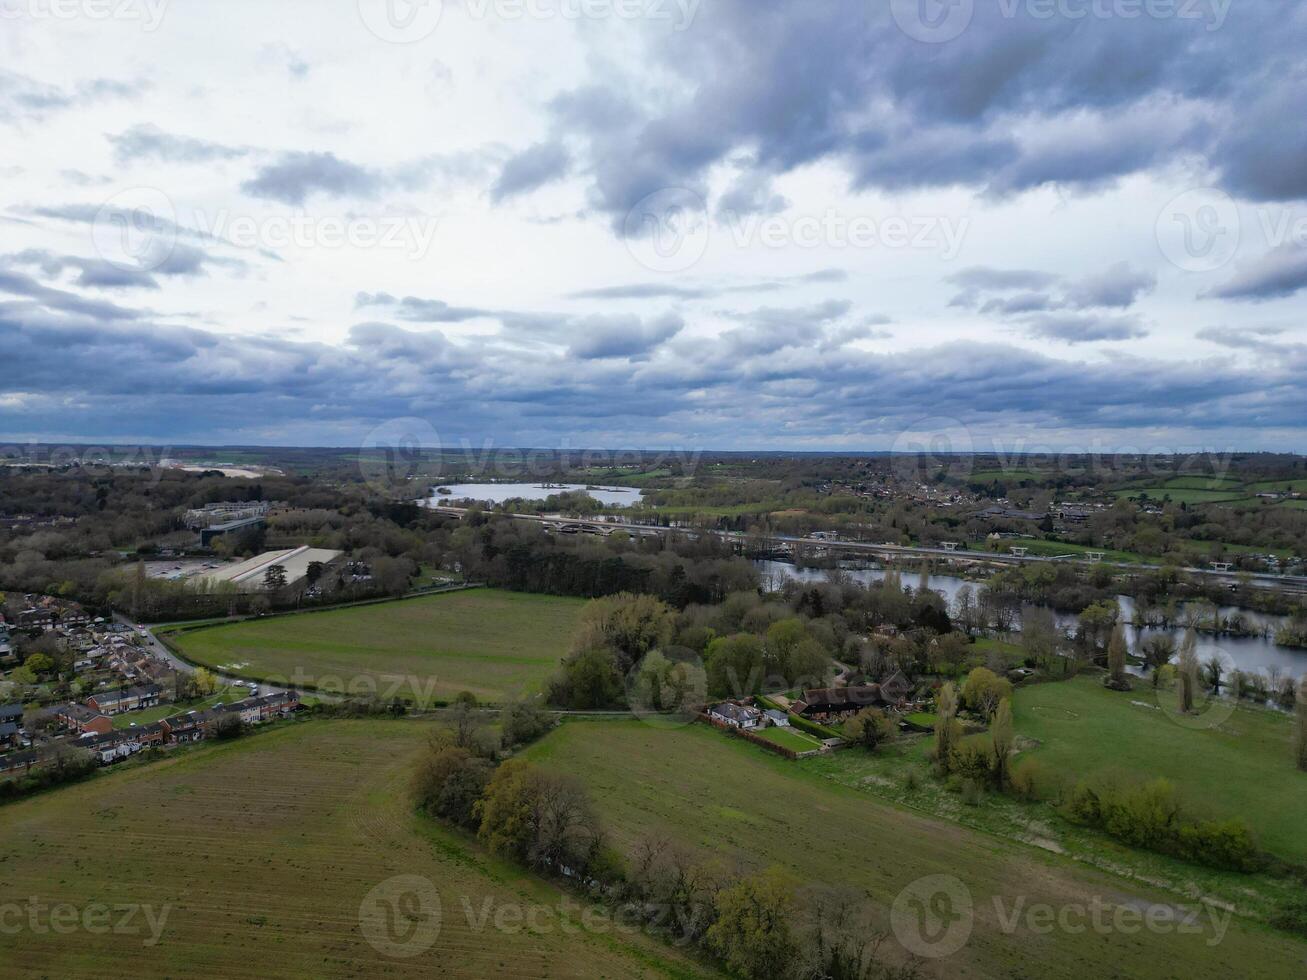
pixel 249 575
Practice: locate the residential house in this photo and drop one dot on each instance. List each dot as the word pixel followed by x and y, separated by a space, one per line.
pixel 83 719
pixel 839 703
pixel 779 719
pixel 11 736
pixel 736 715
pixel 37 618
pixel 126 699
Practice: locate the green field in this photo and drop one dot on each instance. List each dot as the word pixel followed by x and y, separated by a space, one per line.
pixel 1271 486
pixel 1225 483
pixel 1180 496
pixel 265 850
pixel 722 798
pixel 789 738
pixel 495 644
pixel 1240 768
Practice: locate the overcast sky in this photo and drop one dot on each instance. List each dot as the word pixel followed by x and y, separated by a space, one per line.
pixel 730 224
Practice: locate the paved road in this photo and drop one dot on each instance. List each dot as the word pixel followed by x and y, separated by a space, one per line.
pixel 1292 584
pixel 160 651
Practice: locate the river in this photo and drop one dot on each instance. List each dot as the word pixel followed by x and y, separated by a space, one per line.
pixel 1247 653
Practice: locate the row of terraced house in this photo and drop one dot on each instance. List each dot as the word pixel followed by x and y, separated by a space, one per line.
pixel 110 745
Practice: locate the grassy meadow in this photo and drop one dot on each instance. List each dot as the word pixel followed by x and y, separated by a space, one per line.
pixel 265 850
pixel 493 643
pixel 1242 767
pixel 725 798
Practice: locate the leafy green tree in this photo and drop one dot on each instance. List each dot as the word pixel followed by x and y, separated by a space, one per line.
pixel 1002 738
pixel 984 691
pixel 736 665
pixel 1300 726
pixel 587 679
pixel 449 782
pixel 630 625
pixel 1117 650
pixel 752 934
pixel 947 730
pixel 869 728
pixel 274 579
pixel 1187 672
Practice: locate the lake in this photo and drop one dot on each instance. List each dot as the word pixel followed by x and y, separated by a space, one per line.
pixel 1248 653
pixel 497 493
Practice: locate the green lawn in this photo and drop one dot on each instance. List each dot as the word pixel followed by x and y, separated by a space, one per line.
pixel 723 799
pixel 1240 768
pixel 493 643
pixel 256 858
pixel 224 696
pixel 789 738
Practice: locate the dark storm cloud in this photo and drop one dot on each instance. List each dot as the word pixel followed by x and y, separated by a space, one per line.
pixel 1016 101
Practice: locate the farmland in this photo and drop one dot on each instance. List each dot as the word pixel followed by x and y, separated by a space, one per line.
pixel 724 797
pixel 495 644
pixel 1241 767
pixel 263 850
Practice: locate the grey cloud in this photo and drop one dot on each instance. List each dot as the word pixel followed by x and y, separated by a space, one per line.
pixel 149 142
pixel 1120 286
pixel 534 167
pixel 1075 328
pixel 297 176
pixel 1279 273
pixel 628 337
